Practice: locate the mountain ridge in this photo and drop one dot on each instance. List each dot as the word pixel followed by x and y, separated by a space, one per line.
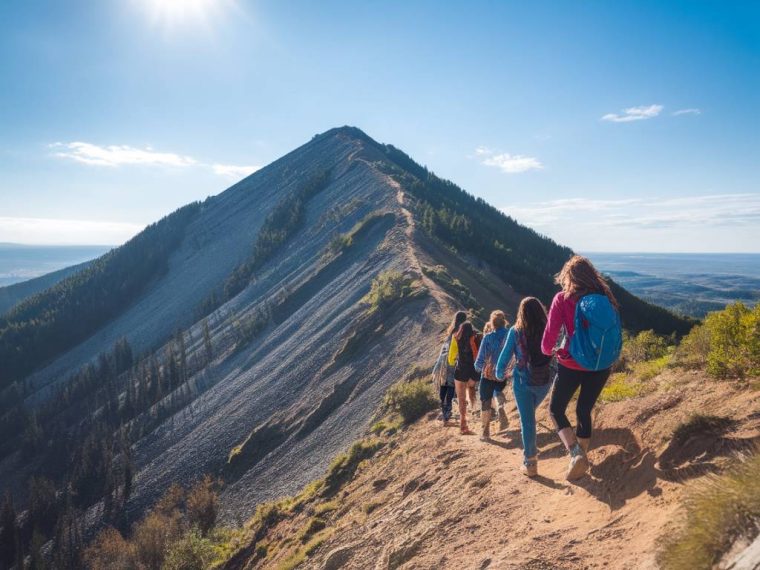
pixel 299 357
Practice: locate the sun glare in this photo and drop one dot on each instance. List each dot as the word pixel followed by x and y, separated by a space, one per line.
pixel 172 13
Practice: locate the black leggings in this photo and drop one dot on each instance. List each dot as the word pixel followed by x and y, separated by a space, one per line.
pixel 568 380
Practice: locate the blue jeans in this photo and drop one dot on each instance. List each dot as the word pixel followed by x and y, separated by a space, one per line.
pixel 489 389
pixel 528 399
pixel 447 395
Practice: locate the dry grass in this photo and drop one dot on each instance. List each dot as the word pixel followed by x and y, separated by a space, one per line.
pixel 718 512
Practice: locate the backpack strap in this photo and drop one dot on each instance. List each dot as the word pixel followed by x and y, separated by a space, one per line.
pixel 474 347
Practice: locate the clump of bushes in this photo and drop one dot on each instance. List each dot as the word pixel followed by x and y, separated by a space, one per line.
pixel 411 400
pixel 646 345
pixel 728 343
pixel 177 533
pixel 387 287
pixel 722 510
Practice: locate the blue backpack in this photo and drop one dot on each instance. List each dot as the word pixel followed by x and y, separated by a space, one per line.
pixel 598 336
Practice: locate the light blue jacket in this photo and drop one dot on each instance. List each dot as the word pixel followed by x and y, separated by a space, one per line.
pixel 512 350
pixel 489 350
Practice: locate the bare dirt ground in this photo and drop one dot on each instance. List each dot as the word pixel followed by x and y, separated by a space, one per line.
pixel 436 499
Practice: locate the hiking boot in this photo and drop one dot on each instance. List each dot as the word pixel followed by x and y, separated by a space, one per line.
pixel 585 443
pixel 530 467
pixel 486 419
pixel 503 420
pixel 578 463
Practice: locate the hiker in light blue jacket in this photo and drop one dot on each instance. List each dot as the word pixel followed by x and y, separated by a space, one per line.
pixel 485 363
pixel 532 373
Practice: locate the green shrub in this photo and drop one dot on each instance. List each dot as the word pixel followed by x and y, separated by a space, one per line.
pixel 191 552
pixel 387 287
pixel 620 387
pixel 411 400
pixel 647 345
pixel 734 342
pixel 720 511
pixel 387 425
pixel 692 352
pixel 728 343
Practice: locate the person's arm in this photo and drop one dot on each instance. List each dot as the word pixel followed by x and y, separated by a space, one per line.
pixel 453 352
pixel 506 355
pixel 481 359
pixel 553 326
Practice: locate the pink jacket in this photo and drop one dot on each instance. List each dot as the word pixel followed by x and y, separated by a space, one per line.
pixel 561 313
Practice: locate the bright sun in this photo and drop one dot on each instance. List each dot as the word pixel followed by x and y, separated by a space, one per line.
pixel 176 12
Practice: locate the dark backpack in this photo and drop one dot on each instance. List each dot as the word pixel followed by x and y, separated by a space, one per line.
pixel 540 367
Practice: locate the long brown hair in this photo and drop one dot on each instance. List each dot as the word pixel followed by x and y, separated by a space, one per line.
pixel 579 277
pixel 531 322
pixel 464 333
pixel 459 318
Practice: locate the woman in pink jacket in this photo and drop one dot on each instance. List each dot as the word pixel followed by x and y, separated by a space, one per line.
pixel 577 278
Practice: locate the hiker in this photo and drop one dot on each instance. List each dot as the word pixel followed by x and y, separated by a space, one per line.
pixel 464 347
pixel 588 312
pixel 443 373
pixel 485 363
pixel 501 399
pixel 532 373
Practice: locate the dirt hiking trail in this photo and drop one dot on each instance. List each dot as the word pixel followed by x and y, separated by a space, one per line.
pixel 432 498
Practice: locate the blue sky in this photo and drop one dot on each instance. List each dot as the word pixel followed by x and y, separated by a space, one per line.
pixel 609 126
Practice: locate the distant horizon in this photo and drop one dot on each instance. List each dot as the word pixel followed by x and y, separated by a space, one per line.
pixel 581 252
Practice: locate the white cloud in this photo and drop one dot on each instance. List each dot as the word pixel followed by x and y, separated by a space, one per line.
pixel 118 155
pixel 232 171
pixel 687 112
pixel 124 155
pixel 509 163
pixel 634 114
pixel 43 231
pixel 718 222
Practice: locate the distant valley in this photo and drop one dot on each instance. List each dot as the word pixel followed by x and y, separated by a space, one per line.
pixel 688 283
pixel 22 262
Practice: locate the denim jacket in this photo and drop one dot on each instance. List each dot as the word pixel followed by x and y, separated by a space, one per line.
pixel 489 352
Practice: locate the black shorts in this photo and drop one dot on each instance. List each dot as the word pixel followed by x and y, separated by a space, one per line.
pixel 466 373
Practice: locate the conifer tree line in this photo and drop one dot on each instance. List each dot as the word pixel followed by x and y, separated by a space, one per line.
pixel 278 227
pixel 80 440
pixel 43 326
pixel 524 258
